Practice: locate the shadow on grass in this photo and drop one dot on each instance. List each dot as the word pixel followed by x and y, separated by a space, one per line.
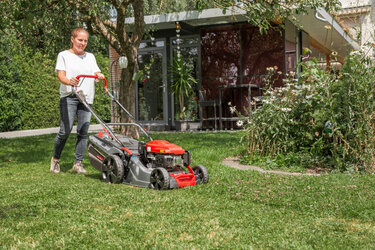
pixel 66 167
pixel 39 149
pixel 18 210
pixel 25 150
pixel 96 176
pixel 32 149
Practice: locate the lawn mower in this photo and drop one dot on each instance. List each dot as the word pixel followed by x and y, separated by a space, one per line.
pixel 156 164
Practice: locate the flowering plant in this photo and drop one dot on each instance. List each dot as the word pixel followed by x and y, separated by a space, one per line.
pixel 327 117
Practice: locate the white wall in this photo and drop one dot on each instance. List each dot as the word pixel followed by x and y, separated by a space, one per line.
pixel 364 23
pixel 354 3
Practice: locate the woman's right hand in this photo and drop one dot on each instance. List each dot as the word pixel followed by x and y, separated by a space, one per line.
pixel 61 74
pixel 73 81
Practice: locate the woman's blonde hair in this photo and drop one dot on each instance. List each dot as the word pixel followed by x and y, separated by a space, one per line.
pixel 75 33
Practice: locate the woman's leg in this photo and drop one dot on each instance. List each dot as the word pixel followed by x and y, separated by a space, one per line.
pixel 68 110
pixel 83 124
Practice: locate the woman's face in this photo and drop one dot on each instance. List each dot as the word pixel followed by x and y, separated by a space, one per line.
pixel 79 42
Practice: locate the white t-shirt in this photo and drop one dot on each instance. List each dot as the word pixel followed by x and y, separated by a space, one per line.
pixel 75 65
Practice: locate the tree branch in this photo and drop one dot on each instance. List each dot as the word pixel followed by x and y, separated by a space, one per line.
pixel 120 23
pixel 106 27
pixel 139 23
pixel 116 3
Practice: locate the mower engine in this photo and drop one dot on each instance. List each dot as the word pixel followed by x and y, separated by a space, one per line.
pixel 169 162
pixel 163 154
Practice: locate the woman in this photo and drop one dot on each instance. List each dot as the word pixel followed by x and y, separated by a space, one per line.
pixel 71 63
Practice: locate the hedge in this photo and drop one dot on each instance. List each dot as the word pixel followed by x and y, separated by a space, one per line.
pixel 29 89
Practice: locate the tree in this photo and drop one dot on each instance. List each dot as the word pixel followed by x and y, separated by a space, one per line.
pixel 125 39
pixel 45 23
pixel 262 13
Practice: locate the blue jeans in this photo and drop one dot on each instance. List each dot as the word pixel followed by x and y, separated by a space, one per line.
pixel 70 107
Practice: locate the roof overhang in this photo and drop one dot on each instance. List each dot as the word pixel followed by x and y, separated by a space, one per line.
pixel 194 18
pixel 322 27
pixel 314 23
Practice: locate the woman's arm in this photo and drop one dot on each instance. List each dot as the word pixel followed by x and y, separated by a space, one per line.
pixel 61 74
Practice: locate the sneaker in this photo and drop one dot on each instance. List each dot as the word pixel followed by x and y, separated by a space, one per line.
pixel 55 166
pixel 78 168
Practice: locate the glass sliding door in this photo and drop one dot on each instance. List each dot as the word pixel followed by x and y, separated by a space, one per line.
pixel 151 87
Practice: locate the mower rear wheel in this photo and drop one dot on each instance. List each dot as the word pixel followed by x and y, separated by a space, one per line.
pixel 113 170
pixel 201 174
pixel 159 179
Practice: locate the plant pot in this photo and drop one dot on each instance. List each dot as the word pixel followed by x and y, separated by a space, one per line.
pixel 187 125
pixel 181 125
pixel 194 126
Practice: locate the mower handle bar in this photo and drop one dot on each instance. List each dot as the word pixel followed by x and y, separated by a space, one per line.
pixel 94 76
pixel 136 123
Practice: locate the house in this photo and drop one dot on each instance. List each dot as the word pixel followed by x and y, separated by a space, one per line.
pixel 228 54
pixel 358 18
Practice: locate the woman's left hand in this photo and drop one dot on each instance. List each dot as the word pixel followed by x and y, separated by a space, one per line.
pixel 100 76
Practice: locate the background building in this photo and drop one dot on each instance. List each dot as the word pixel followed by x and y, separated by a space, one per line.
pixel 358 18
pixel 229 57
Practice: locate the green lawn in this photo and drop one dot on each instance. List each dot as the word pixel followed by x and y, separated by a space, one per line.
pixel 236 209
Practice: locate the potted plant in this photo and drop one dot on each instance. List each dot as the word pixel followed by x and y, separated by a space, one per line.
pixel 183 86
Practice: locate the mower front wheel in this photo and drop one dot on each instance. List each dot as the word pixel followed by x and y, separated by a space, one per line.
pixel 201 174
pixel 159 179
pixel 113 169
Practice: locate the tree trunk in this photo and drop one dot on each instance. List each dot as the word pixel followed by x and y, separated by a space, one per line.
pixel 127 98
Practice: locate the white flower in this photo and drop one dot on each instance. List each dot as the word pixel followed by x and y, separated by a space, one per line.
pixel 266 101
pixel 232 109
pixel 308 87
pixel 309 96
pixel 286 109
pixel 355 53
pixel 239 123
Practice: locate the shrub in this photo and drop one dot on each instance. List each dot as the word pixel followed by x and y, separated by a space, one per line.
pixel 40 101
pixel 11 90
pixel 325 117
pixel 29 88
pixel 102 101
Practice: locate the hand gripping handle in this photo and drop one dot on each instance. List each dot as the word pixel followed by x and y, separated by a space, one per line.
pixel 94 76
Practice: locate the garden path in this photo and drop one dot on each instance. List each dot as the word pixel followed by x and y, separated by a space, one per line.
pixel 43 131
pixel 234 162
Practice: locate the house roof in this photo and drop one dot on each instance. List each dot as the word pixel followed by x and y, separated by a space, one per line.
pixel 193 18
pixel 353 11
pixel 318 24
pixel 323 28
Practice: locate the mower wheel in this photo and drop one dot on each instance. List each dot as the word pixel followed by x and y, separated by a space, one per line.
pixel 159 179
pixel 201 174
pixel 113 169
